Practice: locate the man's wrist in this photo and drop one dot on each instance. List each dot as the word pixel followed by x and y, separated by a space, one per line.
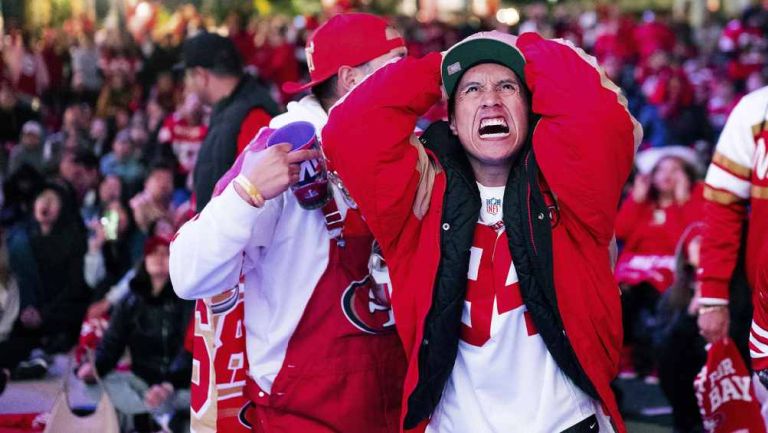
pixel 706 309
pixel 248 191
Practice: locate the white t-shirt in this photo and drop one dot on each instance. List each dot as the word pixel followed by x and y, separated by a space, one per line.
pixel 504 379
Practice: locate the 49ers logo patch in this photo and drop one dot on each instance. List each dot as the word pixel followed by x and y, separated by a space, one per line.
pixel 366 306
pixel 242 416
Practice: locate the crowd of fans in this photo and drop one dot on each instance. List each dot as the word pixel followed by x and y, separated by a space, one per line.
pixel 98 141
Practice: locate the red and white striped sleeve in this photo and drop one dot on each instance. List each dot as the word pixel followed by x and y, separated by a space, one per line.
pixel 758 334
pixel 726 193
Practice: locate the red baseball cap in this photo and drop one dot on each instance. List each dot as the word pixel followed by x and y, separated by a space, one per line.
pixel 345 40
pixel 155 242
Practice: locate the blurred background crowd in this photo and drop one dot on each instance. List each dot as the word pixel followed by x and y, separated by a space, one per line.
pixel 99 139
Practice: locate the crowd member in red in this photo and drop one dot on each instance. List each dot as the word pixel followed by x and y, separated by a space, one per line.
pixel 28 71
pixel 241 106
pixel 736 190
pixel 721 102
pixel 56 57
pixel 281 67
pixel 670 91
pixel 670 115
pixel 305 319
pixel 612 31
pixel 743 41
pixel 652 35
pixel 241 36
pixel 527 338
pixel 120 60
pixel 652 218
pixel 185 131
pixel 649 224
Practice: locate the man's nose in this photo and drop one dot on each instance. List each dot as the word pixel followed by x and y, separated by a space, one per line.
pixel 491 98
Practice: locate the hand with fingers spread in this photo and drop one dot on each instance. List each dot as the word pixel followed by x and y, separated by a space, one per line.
pixel 273 170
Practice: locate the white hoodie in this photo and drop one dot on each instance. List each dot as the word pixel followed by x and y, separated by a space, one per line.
pixel 281 249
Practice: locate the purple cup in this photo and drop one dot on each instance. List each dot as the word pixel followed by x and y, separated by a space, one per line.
pixel 312 190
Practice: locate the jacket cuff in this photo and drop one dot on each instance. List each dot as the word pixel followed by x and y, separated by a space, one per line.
pixel 714 293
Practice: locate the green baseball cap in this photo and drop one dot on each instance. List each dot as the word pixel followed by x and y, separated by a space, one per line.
pixel 483 47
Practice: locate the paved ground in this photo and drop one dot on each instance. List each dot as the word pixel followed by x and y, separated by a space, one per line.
pixel 645 408
pixel 39 395
pixel 642 402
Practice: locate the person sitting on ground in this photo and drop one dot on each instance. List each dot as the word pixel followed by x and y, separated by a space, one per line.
pixel 46 253
pixel 151 322
pixel 29 150
pixel 663 202
pixel 123 161
pixel 154 202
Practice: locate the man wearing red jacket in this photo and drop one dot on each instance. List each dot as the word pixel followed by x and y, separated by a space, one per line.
pixel 309 326
pixel 736 190
pixel 496 227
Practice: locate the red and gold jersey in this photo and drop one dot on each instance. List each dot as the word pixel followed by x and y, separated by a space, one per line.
pixel 220 365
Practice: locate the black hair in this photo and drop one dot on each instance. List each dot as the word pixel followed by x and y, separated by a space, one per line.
pixel 86 158
pixel 325 92
pixel 66 207
pixel 161 164
pixel 688 169
pixel 226 69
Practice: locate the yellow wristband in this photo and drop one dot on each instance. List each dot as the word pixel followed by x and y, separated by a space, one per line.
pixel 251 190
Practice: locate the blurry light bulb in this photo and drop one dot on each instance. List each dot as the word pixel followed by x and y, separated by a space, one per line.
pixel 143 11
pixel 508 16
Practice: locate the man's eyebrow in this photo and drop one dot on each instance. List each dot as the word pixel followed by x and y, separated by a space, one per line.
pixel 471 83
pixel 508 81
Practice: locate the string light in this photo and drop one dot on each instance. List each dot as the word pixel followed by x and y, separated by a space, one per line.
pixel 508 16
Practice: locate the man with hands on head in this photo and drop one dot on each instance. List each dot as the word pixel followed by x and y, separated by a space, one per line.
pixel 321 348
pixel 496 226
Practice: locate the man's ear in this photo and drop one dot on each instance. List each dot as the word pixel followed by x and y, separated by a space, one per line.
pixel 452 125
pixel 347 78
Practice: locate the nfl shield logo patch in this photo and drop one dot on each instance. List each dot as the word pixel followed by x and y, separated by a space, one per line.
pixel 493 206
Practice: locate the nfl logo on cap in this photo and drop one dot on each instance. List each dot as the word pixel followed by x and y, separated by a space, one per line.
pixel 454 68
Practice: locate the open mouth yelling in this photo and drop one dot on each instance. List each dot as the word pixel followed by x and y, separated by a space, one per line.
pixel 493 127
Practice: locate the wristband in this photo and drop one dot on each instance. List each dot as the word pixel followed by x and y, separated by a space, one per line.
pixel 256 198
pixel 711 308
